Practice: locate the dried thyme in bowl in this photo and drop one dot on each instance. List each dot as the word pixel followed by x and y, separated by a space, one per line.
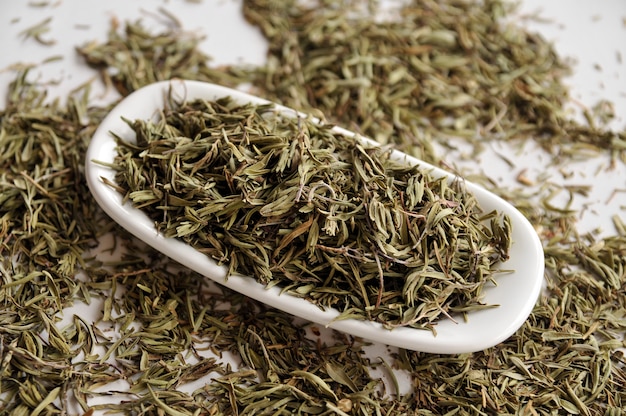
pixel 325 216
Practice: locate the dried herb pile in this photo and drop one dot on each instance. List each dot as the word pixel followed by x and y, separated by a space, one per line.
pixel 433 71
pixel 161 328
pixel 322 215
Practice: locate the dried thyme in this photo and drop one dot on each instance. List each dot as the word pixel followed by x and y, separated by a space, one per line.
pixel 322 215
pixel 568 357
pixel 37 31
pixel 133 57
pixel 443 71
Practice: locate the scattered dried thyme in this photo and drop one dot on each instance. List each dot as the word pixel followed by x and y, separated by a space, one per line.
pixel 433 72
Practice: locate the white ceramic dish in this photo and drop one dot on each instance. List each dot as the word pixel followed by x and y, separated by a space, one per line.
pixel 515 293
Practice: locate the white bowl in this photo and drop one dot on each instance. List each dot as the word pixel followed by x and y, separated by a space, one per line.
pixel 515 293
